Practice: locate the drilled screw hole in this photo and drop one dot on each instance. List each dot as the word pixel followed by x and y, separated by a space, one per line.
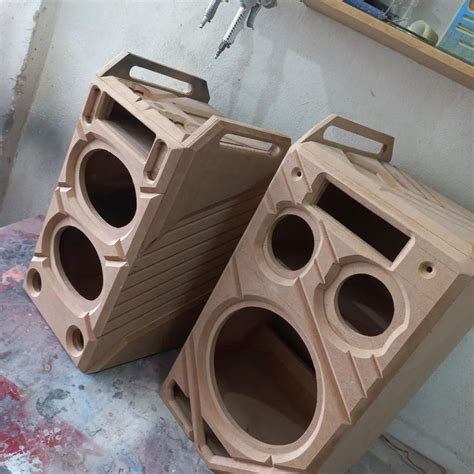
pixel 427 270
pixel 296 174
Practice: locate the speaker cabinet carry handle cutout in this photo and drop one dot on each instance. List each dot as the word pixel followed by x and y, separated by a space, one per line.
pixel 229 133
pixel 317 134
pixel 123 64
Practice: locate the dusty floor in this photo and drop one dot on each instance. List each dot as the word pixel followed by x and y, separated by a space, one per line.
pixel 55 419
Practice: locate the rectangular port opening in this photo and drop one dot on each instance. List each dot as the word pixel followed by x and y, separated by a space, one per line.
pixel 371 228
pixel 183 403
pixel 122 121
pixel 212 441
pixel 91 104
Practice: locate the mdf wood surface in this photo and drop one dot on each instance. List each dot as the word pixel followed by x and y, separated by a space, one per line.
pixel 350 285
pixel 400 41
pixel 154 194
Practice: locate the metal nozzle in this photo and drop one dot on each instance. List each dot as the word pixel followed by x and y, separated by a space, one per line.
pixel 222 47
pixel 210 12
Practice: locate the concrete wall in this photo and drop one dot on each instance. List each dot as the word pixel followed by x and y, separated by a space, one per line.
pixel 292 71
pixel 26 27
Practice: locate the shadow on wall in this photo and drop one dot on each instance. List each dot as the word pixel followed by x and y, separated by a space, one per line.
pixel 42 142
pixel 26 29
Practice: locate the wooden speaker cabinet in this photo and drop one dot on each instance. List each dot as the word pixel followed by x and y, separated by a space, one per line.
pixel 155 193
pixel 350 285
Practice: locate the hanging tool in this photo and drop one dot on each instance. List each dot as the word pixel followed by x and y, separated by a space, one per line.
pixel 245 16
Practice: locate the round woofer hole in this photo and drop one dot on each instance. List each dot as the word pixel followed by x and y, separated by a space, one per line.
pixel 80 263
pixel 292 242
pixel 265 376
pixel 110 188
pixel 365 304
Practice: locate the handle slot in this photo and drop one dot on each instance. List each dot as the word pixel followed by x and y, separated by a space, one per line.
pixel 230 140
pixel 142 75
pixel 233 135
pixel 364 135
pixel 122 66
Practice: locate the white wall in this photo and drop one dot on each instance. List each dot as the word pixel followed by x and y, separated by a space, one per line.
pixel 293 70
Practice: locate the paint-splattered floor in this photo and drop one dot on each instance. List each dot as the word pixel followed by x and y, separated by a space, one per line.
pixel 55 419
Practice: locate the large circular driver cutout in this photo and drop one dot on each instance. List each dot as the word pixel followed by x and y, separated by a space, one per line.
pixel 292 242
pixel 365 304
pixel 110 188
pixel 80 263
pixel 265 376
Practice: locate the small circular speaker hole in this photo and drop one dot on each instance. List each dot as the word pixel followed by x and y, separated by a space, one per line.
pixel 80 263
pixel 365 304
pixel 292 242
pixel 34 282
pixel 109 188
pixel 75 340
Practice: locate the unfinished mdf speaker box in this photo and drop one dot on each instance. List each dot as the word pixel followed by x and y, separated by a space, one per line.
pixel 350 285
pixel 155 192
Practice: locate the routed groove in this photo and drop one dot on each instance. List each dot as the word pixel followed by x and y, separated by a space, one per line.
pixel 160 284
pixel 160 259
pixel 235 205
pixel 184 299
pixel 243 218
pixel 151 281
pixel 164 240
pixel 169 291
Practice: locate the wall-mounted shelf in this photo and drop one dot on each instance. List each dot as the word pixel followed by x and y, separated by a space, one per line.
pixel 387 35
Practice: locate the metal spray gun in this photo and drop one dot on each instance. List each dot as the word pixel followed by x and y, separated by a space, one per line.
pixel 245 17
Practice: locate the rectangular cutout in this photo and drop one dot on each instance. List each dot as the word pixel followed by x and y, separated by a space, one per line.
pixel 183 403
pixel 371 228
pixel 213 442
pixel 91 104
pixel 237 142
pixel 138 134
pixel 353 140
pixel 160 80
